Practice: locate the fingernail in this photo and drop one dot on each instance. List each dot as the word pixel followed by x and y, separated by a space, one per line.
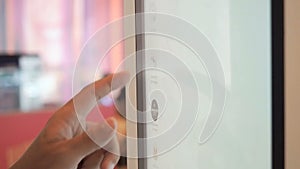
pixel 111 166
pixel 120 79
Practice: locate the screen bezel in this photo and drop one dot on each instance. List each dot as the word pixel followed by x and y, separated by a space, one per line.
pixel 277 50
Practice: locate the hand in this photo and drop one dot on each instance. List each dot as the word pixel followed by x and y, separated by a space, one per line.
pixel 63 143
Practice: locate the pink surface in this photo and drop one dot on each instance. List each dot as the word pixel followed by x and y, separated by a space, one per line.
pixel 18 130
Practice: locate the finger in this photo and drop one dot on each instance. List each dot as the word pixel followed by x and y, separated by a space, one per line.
pixel 94 138
pixel 109 161
pixel 112 155
pixel 93 160
pixel 122 143
pixel 87 98
pixel 112 82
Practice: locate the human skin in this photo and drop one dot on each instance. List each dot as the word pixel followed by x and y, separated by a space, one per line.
pixel 65 140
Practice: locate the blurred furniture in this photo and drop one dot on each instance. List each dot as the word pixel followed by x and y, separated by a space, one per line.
pixel 20 82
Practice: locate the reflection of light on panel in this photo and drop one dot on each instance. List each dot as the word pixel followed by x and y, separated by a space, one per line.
pixel 78 22
pixel 30 44
pixel 52 28
pixel 96 16
pixel 44 32
pixel 10 25
pixel 116 54
pixel 14 19
pixel 101 16
pixel 2 25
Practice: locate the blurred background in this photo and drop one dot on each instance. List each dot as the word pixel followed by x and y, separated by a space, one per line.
pixel 40 42
pixel 47 38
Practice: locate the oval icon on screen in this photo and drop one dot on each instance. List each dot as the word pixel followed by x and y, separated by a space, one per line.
pixel 154 110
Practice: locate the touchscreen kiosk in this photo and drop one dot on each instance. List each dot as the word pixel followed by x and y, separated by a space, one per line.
pixel 209 89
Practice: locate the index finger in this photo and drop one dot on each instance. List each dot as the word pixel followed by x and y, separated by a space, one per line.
pixel 87 98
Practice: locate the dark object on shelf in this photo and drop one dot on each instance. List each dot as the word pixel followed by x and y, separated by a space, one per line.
pixel 9 82
pixel 10 66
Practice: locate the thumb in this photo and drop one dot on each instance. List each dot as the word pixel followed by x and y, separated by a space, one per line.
pixel 94 138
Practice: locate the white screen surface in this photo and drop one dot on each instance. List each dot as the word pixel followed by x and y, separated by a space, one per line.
pixel 240 32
